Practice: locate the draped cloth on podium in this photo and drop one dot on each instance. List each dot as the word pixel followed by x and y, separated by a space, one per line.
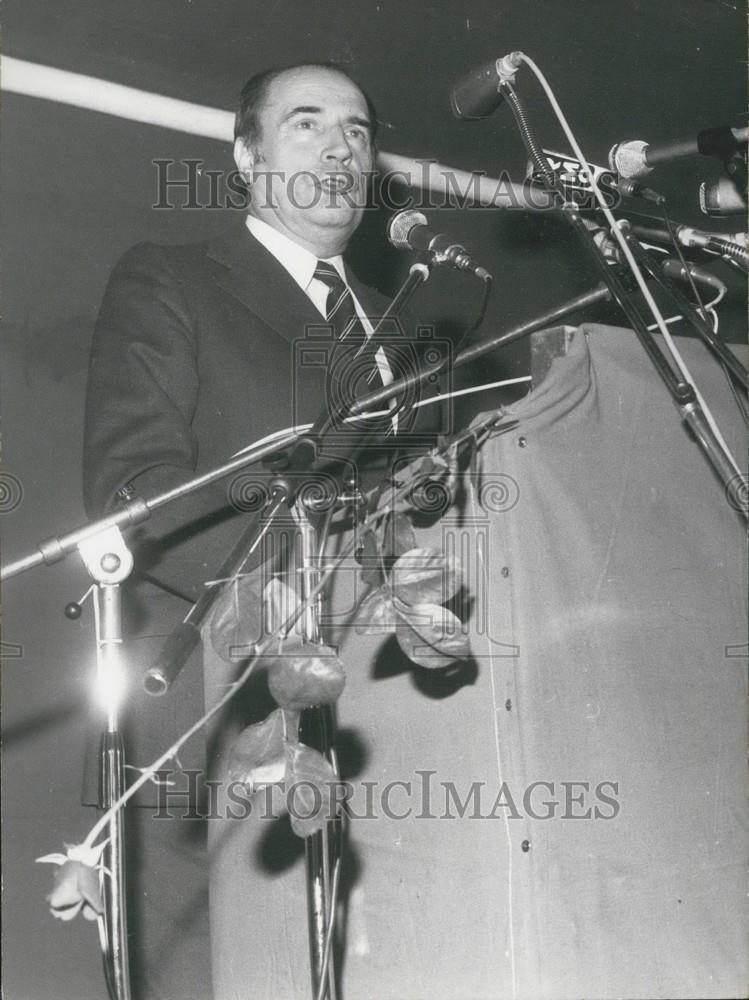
pixel 574 821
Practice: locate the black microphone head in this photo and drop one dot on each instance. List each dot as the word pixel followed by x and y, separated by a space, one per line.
pixel 477 95
pixel 400 226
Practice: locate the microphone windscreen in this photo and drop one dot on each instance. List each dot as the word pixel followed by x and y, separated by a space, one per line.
pixel 722 197
pixel 400 226
pixel 629 159
pixel 476 95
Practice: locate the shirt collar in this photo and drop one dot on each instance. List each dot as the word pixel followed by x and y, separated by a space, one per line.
pixel 299 262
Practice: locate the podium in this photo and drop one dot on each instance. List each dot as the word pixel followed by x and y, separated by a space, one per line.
pixel 564 815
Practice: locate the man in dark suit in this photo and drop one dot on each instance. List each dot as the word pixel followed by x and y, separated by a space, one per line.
pixel 194 352
pixel 196 355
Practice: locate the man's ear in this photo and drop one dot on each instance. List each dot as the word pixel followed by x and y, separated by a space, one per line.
pixel 244 158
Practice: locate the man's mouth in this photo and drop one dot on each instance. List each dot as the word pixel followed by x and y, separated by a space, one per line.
pixel 337 183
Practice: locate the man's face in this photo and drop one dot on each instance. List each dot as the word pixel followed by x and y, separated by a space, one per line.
pixel 308 167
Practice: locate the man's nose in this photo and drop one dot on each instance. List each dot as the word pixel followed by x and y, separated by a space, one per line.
pixel 336 146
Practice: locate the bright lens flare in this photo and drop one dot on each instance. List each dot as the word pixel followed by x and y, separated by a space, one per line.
pixel 109 687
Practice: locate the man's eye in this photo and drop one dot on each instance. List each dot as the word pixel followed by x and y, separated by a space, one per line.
pixel 305 123
pixel 357 133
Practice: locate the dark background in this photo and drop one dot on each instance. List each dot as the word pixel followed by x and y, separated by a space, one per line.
pixel 78 189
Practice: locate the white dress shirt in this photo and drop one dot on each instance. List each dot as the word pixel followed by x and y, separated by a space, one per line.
pixel 301 264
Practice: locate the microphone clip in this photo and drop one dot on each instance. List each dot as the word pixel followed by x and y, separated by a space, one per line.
pixel 409 230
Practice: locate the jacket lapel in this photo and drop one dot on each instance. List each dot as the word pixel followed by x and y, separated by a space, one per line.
pixel 253 276
pixel 372 302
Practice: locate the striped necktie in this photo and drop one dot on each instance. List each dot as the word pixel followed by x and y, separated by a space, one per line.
pixel 340 309
pixel 342 315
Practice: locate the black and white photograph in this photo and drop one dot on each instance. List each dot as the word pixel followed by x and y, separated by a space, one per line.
pixel 374 500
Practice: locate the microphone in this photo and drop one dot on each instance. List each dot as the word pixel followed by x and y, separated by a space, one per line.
pixel 636 158
pixel 722 197
pixel 477 95
pixel 687 236
pixel 574 180
pixel 675 270
pixel 670 266
pixel 731 245
pixel 633 189
pixel 409 230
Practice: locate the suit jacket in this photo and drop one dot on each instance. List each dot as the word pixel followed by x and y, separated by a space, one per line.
pixel 199 350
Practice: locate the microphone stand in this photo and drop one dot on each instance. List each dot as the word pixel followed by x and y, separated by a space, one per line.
pixel 318 724
pixel 318 729
pixel 682 392
pixel 698 322
pixel 600 293
pixel 102 547
pixel 110 562
pixel 306 449
pixel 133 512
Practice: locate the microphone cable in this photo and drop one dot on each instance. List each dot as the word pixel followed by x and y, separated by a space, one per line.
pixel 737 397
pixel 480 317
pixel 628 255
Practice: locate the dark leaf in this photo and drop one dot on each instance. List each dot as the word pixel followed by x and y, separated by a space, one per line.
pixel 258 756
pixel 425 576
pixel 310 789
pixel 237 622
pixel 380 494
pixel 404 504
pixel 376 614
pixel 432 636
pixel 476 467
pixel 306 675
pixel 451 481
pixel 398 535
pixel 369 559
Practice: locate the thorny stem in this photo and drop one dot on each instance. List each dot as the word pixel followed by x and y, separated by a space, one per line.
pixel 148 772
pixel 371 520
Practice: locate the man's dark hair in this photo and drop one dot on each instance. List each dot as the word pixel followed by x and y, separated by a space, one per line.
pixel 255 91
